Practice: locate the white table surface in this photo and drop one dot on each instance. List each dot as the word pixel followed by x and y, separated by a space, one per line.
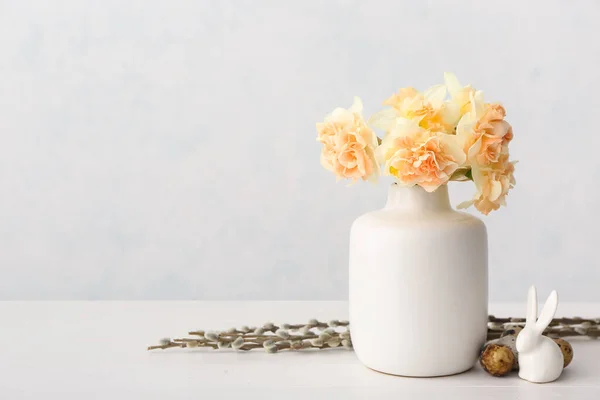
pixel 97 350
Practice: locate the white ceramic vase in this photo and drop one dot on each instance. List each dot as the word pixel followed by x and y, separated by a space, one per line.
pixel 418 285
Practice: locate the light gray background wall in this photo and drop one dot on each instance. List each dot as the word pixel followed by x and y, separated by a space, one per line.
pixel 166 149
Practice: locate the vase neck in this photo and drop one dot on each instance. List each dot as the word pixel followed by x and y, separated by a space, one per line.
pixel 415 198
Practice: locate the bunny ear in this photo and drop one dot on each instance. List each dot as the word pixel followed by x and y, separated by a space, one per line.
pixel 531 307
pixel 547 312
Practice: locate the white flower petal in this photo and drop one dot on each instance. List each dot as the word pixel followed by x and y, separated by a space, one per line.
pixel 435 95
pixel 474 149
pixel 341 116
pixel 477 177
pixel 384 119
pixel 451 113
pixel 452 83
pixel 496 191
pixel 357 106
pixel 465 204
pixel 454 149
pixel 464 129
pixel 405 127
pixel 478 103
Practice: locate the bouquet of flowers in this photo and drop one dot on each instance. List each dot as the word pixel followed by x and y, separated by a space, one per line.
pixel 446 133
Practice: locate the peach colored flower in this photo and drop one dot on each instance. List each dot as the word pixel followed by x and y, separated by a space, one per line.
pixel 489 136
pixel 485 137
pixel 493 184
pixel 430 139
pixel 348 144
pixel 418 156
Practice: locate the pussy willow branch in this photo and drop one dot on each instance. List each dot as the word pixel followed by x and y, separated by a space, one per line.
pixel 272 338
pixel 559 327
pixel 336 334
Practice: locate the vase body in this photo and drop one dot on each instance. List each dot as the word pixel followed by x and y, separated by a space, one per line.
pixel 418 285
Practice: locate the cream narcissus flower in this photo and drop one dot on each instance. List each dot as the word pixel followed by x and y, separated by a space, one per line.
pixel 418 156
pixel 489 137
pixel 348 144
pixel 482 130
pixel 445 133
pixel 493 183
pixel 484 136
pixel 462 98
pixel 427 109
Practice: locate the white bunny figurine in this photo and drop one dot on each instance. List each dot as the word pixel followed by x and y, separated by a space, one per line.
pixel 540 359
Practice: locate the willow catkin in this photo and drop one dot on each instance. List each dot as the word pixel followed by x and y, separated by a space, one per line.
pixel 336 334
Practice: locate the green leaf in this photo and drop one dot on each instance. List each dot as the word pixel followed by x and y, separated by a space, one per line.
pixel 469 174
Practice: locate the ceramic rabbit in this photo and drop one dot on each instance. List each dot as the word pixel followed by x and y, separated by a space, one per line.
pixel 540 359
